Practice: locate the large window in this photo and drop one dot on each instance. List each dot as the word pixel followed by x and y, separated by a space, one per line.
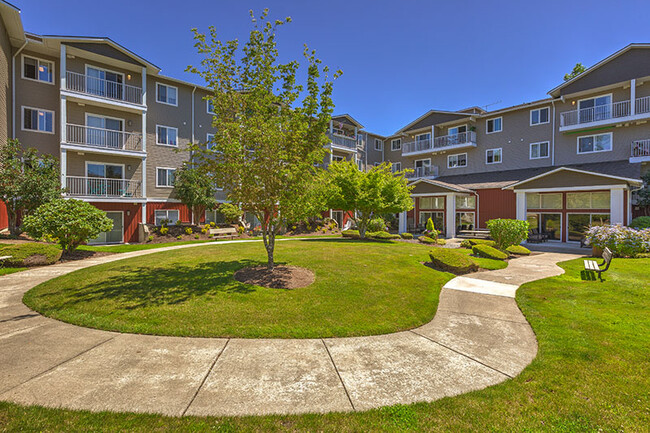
pixel 214 216
pixel 437 217
pixel 169 216
pixel 588 200
pixel 166 135
pixel 549 224
pixel 578 223
pixel 544 201
pixel 465 220
pixel 38 120
pixel 104 83
pixel 396 166
pixel 595 109
pixel 38 70
pixel 166 94
pixel 494 125
pixel 539 116
pixel 432 203
pixel 396 144
pixel 466 202
pixel 595 143
pixel 493 156
pixel 539 150
pixel 459 160
pixel 165 177
pixel 379 145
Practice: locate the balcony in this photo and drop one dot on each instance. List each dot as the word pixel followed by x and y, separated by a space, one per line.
pixel 343 142
pixel 640 151
pixel 100 187
pixel 419 172
pixel 105 139
pixel 101 88
pixel 446 142
pixel 602 115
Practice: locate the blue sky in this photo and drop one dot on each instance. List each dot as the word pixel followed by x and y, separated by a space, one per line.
pixel 399 58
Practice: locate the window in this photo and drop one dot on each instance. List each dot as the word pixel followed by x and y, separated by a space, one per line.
pixel 539 116
pixel 466 202
pixel 336 158
pixel 432 203
pixel 422 167
pixel 170 215
pixel 539 150
pixel 457 130
pixel 38 120
pixel 106 171
pixel 437 217
pixel 165 177
pixel 166 135
pixel 167 94
pixel 209 106
pixel 577 224
pixel 422 141
pixel 38 70
pixel 543 201
pixel 377 164
pixel 214 216
pixel 396 166
pixel 104 83
pixel 459 160
pixel 379 145
pixel 494 125
pixel 396 144
pixel 588 200
pixel 493 156
pixel 595 143
pixel 595 109
pixel 209 138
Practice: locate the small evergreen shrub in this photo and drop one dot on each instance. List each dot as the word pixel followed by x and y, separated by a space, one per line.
pixel 488 252
pixel 427 240
pixel 441 242
pixel 465 243
pixel 188 230
pixel 30 254
pixel 376 225
pixel 179 222
pixel 406 235
pixel 449 260
pixel 642 222
pixel 179 237
pixel 150 238
pixel 352 234
pixel 518 250
pixel 196 236
pixel 642 256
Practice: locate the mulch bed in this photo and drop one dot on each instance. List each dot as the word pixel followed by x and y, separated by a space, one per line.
pixel 81 255
pixel 281 277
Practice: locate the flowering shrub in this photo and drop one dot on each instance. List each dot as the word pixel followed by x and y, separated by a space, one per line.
pixel 622 241
pixel 188 230
pixel 164 231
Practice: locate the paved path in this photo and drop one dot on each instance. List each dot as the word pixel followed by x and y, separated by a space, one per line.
pixel 478 338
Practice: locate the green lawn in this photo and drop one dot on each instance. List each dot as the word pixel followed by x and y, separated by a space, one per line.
pixel 361 288
pixel 591 374
pixel 482 262
pixel 126 248
pixel 7 271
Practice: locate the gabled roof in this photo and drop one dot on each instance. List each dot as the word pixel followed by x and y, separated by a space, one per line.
pixel 555 91
pixel 449 186
pixel 575 170
pixel 405 128
pixel 10 15
pixel 350 118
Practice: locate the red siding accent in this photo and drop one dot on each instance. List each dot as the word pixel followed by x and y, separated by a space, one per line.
pixel 184 213
pixel 495 203
pixel 130 221
pixel 4 218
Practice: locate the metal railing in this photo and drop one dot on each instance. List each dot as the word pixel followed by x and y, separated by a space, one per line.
pixel 640 148
pixel 468 137
pixel 430 171
pixel 595 114
pixel 642 105
pixel 341 140
pixel 103 138
pixel 103 88
pixel 102 187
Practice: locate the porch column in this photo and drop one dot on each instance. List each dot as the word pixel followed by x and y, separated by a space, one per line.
pixel 144 213
pixel 632 97
pixel 521 206
pixel 402 228
pixel 617 206
pixel 450 216
pixel 64 166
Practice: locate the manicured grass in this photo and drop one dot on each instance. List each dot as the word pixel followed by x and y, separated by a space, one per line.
pixel 591 374
pixel 137 247
pixel 489 264
pixel 361 288
pixel 7 271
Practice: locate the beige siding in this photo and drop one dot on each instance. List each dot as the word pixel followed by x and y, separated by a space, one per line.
pixel 76 115
pixel 77 164
pixel 5 84
pixel 78 65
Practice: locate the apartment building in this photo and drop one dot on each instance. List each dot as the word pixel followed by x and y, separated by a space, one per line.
pixel 119 128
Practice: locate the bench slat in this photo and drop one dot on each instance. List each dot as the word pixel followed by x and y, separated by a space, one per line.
pixel 591 265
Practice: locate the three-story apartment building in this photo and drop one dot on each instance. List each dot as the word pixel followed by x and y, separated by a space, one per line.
pixel 119 128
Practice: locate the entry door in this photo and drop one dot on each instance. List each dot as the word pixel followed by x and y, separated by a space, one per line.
pixel 594 109
pixel 104 131
pixel 464 221
pixel 454 134
pixel 115 235
pixel 104 83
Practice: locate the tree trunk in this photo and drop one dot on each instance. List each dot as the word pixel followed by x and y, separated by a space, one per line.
pixel 270 249
pixel 13 218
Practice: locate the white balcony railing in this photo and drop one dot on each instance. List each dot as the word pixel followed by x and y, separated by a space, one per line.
pixel 103 88
pixel 103 138
pixel 341 140
pixel 439 143
pixel 616 110
pixel 431 171
pixel 102 187
pixel 642 105
pixel 640 148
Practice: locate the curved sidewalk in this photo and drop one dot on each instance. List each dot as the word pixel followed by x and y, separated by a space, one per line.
pixel 478 338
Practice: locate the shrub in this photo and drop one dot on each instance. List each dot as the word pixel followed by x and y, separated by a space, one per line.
pixel 642 256
pixel 622 241
pixel 488 252
pixel 179 222
pixel 376 225
pixel 71 222
pixel 240 230
pixel 446 259
pixel 188 230
pixel 427 240
pixel 506 232
pixel 196 236
pixel 381 235
pixel 179 237
pixel 353 234
pixel 441 242
pixel 465 243
pixel 406 235
pixel 639 223
pixel 213 224
pixel 473 242
pixel 430 230
pixel 210 236
pixel 231 212
pixel 518 250
pixel 150 238
pixel 30 254
pixel 164 230
pixel 204 230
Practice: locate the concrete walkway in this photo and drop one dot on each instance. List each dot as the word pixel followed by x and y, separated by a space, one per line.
pixel 478 338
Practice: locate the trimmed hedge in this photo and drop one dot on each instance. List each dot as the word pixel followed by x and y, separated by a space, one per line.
pixel 352 234
pixel 381 236
pixel 406 235
pixel 639 223
pixel 488 252
pixel 30 254
pixel 427 240
pixel 518 250
pixel 469 243
pixel 448 260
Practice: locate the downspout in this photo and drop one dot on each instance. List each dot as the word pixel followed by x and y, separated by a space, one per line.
pixel 13 90
pixel 192 153
pixel 478 213
pixel 553 135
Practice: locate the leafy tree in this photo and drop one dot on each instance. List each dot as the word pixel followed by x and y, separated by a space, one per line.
pixel 70 222
pixel 270 130
pixel 507 232
pixel 578 69
pixel 373 192
pixel 643 194
pixel 195 188
pixel 27 180
pixel 231 212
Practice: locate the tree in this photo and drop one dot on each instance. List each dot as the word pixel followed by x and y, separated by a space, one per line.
pixel 578 69
pixel 267 140
pixel 195 189
pixel 369 193
pixel 231 212
pixel 643 194
pixel 27 180
pixel 70 222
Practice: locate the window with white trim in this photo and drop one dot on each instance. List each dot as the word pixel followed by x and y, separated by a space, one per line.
pixel 209 142
pixel 396 144
pixel 165 177
pixel 396 166
pixel 539 150
pixel 458 160
pixel 539 116
pixel 170 216
pixel 38 70
pixel 588 200
pixel 494 125
pixel 166 135
pixel 209 106
pixel 379 145
pixel 595 143
pixel 37 120
pixel 166 94
pixel 336 158
pixel 493 156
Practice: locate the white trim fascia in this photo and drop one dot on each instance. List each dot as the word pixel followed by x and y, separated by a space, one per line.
pixel 573 188
pixel 342 148
pixel 166 85
pixel 163 200
pixel 437 194
pixel 540 109
pixel 137 108
pixel 576 170
pixel 22 69
pixel 107 199
pixel 22 120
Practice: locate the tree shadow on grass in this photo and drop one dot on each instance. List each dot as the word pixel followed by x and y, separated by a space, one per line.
pixel 141 287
